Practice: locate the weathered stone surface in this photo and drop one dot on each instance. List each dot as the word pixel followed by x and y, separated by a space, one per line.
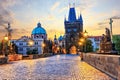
pixel 106 63
pixel 3 60
pixel 59 67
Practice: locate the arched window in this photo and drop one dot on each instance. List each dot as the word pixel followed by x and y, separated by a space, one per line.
pixel 42 36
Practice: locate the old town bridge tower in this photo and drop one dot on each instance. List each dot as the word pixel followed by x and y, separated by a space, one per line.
pixel 73 29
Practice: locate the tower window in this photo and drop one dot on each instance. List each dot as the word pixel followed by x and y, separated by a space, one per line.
pixel 74 30
pixel 69 30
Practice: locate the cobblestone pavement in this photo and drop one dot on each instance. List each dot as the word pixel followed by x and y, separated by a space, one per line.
pixel 59 67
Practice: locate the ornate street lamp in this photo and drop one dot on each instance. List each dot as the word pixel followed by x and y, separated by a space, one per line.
pixel 80 43
pixel 30 43
pixel 82 40
pixel 6 45
pixel 43 47
pixel 85 35
pixel 6 38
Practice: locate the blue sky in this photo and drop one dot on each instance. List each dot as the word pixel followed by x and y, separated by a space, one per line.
pixel 25 14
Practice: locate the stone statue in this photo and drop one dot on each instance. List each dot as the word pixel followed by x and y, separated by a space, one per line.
pixel 103 38
pixel 108 37
pixel 106 45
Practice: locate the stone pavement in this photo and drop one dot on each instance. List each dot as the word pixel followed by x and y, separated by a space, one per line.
pixel 59 67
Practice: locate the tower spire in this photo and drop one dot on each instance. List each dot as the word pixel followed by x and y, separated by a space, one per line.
pixel 80 18
pixel 72 14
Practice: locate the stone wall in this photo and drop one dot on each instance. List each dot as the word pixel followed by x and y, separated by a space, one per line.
pixel 110 64
pixel 14 57
pixel 3 60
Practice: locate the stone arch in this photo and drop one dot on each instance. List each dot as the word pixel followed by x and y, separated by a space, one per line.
pixel 73 49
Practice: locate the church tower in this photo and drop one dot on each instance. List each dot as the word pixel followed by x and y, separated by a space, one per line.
pixel 73 29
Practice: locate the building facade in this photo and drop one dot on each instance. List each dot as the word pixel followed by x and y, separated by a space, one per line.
pixel 35 42
pixel 73 29
pixel 95 42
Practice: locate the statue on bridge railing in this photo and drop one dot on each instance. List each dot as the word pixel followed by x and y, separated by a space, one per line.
pixel 107 37
pixel 106 45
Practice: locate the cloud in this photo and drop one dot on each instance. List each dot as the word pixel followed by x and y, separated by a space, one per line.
pixel 6 15
pixel 55 6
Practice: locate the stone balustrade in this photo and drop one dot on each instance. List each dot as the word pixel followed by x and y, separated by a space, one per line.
pixel 3 60
pixel 110 64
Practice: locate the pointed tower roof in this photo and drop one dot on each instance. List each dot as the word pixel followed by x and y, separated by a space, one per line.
pixel 72 15
pixel 55 37
pixel 80 18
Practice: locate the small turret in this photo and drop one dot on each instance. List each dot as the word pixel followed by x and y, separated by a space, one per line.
pixel 39 25
pixel 80 18
pixel 55 40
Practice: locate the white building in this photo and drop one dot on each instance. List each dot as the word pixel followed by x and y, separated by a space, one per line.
pixel 61 41
pixel 95 42
pixel 34 42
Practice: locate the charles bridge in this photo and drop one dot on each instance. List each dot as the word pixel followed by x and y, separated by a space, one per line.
pixel 62 67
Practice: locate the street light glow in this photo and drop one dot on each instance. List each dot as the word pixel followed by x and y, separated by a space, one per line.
pixel 80 43
pixel 6 38
pixel 85 34
pixel 30 43
pixel 82 40
pixel 58 48
pixel 43 45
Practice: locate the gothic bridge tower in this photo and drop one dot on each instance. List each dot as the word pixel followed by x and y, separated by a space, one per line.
pixel 73 29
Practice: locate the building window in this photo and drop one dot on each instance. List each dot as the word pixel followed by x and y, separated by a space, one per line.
pixel 20 43
pixel 74 30
pixel 20 49
pixel 28 49
pixel 36 43
pixel 27 43
pixel 42 37
pixel 69 30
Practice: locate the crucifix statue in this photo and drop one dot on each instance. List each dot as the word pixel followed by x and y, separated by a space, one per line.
pixel 9 30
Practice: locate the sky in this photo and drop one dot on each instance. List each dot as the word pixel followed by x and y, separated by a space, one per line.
pixel 25 14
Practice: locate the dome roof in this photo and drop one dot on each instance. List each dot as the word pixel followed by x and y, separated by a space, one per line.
pixel 39 30
pixel 60 38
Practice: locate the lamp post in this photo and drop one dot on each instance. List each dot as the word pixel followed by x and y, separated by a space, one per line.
pixel 6 45
pixel 43 46
pixel 85 35
pixel 81 45
pixel 30 44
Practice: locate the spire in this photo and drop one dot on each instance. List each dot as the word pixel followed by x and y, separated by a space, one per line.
pixel 72 14
pixel 39 25
pixel 80 18
pixel 55 37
